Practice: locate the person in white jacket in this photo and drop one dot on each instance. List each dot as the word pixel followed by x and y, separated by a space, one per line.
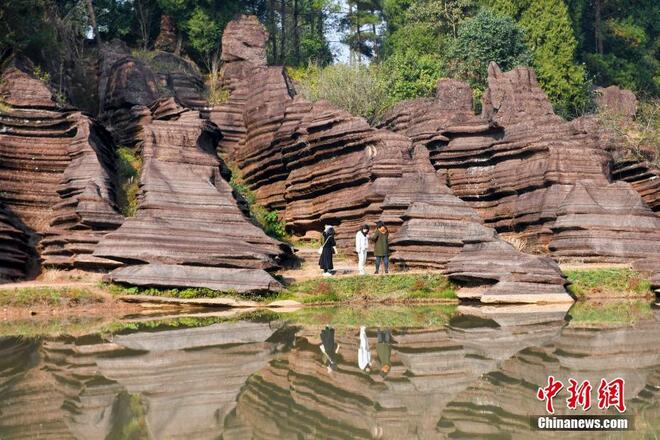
pixel 362 247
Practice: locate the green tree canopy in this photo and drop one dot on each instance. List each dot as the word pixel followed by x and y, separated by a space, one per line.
pixel 484 38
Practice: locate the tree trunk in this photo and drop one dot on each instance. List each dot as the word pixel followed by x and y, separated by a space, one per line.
pixel 283 31
pixel 597 31
pixel 351 46
pixel 92 19
pixel 272 29
pixel 296 35
pixel 144 22
pixel 179 42
pixel 359 36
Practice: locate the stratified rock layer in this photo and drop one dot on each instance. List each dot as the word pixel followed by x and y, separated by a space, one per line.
pixel 617 101
pixel 55 172
pixel 644 178
pixel 187 214
pixel 516 165
pixel 598 222
pixel 129 85
pixel 15 251
pixel 320 165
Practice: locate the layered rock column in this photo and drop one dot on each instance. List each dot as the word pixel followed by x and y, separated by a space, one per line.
pixel 320 165
pixel 523 169
pixel 188 230
pixel 55 173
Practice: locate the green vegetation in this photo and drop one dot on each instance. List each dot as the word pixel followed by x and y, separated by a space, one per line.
pixel 385 289
pixel 129 166
pixel 390 288
pixel 4 107
pixel 484 38
pixel 269 221
pixel 47 296
pixel 373 316
pixel 586 313
pixel 41 75
pixel 129 418
pixel 403 45
pixel 548 31
pixel 607 283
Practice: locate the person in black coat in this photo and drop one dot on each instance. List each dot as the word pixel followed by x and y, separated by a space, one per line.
pixel 327 250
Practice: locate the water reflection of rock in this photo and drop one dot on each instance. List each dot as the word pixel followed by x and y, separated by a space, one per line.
pixel 501 402
pixel 478 375
pixel 186 379
pixel 295 396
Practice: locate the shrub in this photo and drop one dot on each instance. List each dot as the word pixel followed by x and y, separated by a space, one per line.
pixel 129 166
pixel 269 221
pixel 408 75
pixel 638 139
pixel 356 89
pixel 484 38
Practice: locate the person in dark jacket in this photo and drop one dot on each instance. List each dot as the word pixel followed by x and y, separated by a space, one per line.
pixel 329 348
pixel 381 246
pixel 384 351
pixel 327 250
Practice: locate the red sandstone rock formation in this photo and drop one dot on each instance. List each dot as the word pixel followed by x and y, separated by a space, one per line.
pixel 321 165
pixel 55 172
pixel 128 86
pixel 15 251
pixel 187 214
pixel 166 40
pixel 616 100
pixel 644 178
pixel 516 165
pixel 243 56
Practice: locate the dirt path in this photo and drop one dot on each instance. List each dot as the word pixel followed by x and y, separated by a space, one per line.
pixel 309 268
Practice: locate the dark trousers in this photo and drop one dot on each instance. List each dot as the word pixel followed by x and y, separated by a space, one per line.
pixel 384 336
pixel 386 263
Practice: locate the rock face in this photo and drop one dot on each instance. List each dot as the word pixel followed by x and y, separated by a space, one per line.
pixel 515 165
pixel 644 178
pixel 129 85
pixel 15 249
pixel 614 99
pixel 598 222
pixel 55 173
pixel 187 214
pixel 320 165
pixel 243 55
pixel 166 40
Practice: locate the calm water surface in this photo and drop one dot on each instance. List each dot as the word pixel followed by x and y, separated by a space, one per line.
pixel 456 372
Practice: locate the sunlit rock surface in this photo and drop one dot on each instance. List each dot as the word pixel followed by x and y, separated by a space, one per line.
pixel 516 165
pixel 320 165
pixel 187 214
pixel 56 168
pixel 644 178
pixel 128 85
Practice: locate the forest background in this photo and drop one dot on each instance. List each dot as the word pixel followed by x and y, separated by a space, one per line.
pixel 396 49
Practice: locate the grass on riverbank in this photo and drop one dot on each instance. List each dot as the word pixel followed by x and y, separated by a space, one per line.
pixel 47 296
pixel 384 289
pixel 610 283
pixel 390 288
pixel 593 314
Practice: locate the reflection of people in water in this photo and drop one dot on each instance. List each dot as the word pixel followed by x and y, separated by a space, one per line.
pixel 384 350
pixel 364 355
pixel 329 348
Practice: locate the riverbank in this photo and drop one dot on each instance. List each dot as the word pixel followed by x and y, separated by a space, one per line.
pixel 61 293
